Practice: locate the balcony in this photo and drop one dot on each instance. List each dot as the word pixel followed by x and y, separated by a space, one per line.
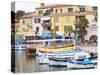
pixel 47 13
pixel 47 24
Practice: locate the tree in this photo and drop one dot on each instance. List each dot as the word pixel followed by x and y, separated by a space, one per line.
pixel 29 27
pixel 82 25
pixel 69 31
pixel 13 17
pixel 96 18
pixel 19 14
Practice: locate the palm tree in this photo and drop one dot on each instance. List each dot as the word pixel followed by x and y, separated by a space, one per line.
pixel 82 25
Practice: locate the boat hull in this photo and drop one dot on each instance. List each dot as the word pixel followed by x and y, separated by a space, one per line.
pixel 79 66
pixel 57 63
pixel 42 60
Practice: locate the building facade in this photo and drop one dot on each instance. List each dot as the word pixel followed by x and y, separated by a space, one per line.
pixel 58 17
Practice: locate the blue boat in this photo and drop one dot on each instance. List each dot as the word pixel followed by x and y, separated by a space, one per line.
pixel 86 63
pixel 18 46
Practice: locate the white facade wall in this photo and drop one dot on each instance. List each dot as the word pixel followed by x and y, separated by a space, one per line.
pixel 92 29
pixel 37 25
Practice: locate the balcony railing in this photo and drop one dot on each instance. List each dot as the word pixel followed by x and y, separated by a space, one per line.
pixel 46 24
pixel 47 13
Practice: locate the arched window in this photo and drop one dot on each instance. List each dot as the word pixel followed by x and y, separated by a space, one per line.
pixel 93 38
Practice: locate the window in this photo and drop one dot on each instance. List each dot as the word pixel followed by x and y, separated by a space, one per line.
pixel 46 21
pixel 23 21
pixel 82 9
pixel 56 19
pixel 37 20
pixel 70 9
pixel 37 29
pixel 60 10
pixel 68 19
pixel 31 21
pixel 34 20
pixel 65 28
pixel 48 12
pixel 94 8
pixel 51 9
pixel 76 19
pixel 94 26
pixel 40 12
pixel 56 28
pixel 48 28
pixel 56 10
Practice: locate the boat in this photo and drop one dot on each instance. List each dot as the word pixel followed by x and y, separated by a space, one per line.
pixel 58 62
pixel 61 54
pixel 81 60
pixel 47 45
pixel 18 46
pixel 85 64
pixel 42 58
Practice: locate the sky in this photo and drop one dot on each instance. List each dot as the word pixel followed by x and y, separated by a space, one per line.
pixel 26 6
pixel 29 6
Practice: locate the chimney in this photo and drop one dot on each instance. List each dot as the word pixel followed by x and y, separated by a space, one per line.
pixel 42 4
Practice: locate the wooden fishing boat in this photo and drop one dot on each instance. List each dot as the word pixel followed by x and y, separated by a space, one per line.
pixel 58 62
pixel 86 63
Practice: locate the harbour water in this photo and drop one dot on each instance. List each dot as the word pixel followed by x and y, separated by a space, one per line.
pixel 28 63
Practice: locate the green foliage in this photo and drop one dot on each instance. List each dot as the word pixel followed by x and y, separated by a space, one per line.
pixel 29 26
pixel 82 25
pixel 19 14
pixel 36 37
pixel 69 29
pixel 96 18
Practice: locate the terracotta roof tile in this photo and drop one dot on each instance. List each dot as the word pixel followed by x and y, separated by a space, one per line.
pixel 75 14
pixel 28 15
pixel 51 6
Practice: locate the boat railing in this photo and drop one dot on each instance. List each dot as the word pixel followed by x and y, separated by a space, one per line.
pixel 49 42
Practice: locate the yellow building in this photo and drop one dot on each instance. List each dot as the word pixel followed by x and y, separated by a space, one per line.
pixel 61 15
pixel 57 17
pixel 26 24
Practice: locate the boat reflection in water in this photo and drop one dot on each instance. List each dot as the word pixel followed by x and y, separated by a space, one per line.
pixel 43 63
pixel 30 63
pixel 48 58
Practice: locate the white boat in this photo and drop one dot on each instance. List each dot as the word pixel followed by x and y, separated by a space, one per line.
pixel 61 54
pixel 81 64
pixel 42 58
pixel 58 62
pixel 19 47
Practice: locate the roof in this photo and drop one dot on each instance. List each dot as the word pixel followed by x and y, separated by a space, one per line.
pixel 51 6
pixel 75 14
pixel 28 15
pixel 58 5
